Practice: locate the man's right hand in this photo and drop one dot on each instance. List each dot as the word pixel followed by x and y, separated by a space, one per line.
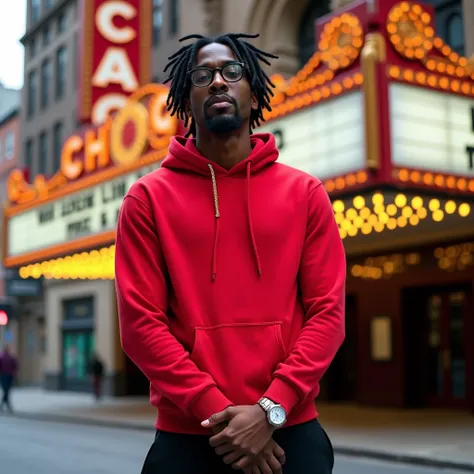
pixel 269 461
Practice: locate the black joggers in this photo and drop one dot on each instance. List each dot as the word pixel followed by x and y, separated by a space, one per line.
pixel 307 448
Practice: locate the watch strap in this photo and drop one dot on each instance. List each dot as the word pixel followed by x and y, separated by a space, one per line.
pixel 266 404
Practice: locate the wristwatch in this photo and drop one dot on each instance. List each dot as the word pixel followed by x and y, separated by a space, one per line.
pixel 276 414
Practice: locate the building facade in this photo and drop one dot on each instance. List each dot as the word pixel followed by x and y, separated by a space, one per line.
pixel 77 306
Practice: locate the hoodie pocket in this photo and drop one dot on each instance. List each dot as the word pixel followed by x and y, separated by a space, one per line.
pixel 241 358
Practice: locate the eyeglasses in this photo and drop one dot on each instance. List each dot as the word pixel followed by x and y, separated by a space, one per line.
pixel 203 76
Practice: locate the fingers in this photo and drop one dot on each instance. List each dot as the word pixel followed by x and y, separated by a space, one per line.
pixel 279 453
pixel 274 465
pixel 224 449
pixel 243 462
pixel 217 418
pixel 232 457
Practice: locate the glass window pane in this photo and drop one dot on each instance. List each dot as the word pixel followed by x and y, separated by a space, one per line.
pixel 435 359
pixel 458 350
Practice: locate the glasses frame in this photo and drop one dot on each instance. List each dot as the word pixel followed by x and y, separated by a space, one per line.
pixel 213 73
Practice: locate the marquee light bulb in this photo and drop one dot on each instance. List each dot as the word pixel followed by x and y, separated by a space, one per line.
pixel 400 200
pixel 391 209
pixel 353 231
pixel 377 199
pixel 450 207
pixel 338 206
pixel 434 205
pixel 438 215
pixel 417 202
pixel 359 202
pixel 464 210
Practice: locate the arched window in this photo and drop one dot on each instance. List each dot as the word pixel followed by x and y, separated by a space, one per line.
pixel 307 28
pixel 455 33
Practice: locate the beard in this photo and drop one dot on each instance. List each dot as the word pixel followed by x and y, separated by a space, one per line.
pixel 223 124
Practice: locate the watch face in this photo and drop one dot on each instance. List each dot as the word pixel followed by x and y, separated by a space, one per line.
pixel 277 416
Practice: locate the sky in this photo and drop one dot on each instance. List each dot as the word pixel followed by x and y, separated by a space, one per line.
pixel 12 28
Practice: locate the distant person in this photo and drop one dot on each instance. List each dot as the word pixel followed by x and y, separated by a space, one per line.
pixel 8 371
pixel 97 371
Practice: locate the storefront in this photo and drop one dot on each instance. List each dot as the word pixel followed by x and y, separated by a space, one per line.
pixel 383 115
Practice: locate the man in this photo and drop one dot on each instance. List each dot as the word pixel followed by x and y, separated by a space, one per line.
pixel 97 373
pixel 8 370
pixel 230 277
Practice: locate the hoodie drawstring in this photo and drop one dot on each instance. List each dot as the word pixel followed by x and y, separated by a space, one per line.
pixel 252 235
pixel 217 216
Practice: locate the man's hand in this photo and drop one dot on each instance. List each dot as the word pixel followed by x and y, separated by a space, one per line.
pixel 269 461
pixel 245 436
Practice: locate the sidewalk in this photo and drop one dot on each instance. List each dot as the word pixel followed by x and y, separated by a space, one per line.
pixel 429 437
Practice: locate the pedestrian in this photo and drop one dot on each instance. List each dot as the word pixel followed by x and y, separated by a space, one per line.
pixel 97 372
pixel 8 372
pixel 230 279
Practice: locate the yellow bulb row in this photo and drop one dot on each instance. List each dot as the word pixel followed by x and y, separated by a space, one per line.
pixel 378 267
pixel 400 213
pixel 94 265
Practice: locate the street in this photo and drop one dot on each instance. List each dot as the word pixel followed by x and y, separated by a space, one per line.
pixel 38 447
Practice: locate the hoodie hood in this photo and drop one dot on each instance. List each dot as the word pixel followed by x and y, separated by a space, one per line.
pixel 183 156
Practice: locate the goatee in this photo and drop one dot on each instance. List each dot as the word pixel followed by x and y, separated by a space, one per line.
pixel 223 124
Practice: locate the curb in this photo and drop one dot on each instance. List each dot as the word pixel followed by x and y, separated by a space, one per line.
pixel 338 450
pixel 401 458
pixel 85 421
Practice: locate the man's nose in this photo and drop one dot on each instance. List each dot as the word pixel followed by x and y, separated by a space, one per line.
pixel 218 83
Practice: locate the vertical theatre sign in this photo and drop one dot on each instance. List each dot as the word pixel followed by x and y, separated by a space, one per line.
pixel 115 56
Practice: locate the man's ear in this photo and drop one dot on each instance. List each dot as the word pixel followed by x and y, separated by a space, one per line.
pixel 254 102
pixel 188 108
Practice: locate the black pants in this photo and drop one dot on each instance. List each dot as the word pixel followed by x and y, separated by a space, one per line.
pixel 6 382
pixel 307 449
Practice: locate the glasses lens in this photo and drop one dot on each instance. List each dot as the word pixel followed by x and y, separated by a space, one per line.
pixel 201 77
pixel 232 72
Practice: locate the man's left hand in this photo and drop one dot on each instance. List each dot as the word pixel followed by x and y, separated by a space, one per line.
pixel 246 434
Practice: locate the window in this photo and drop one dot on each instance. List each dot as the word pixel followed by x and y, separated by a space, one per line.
pixel 46 36
pixel 46 76
pixel 57 144
pixel 48 4
pixel 307 40
pixel 9 145
pixel 61 72
pixel 174 17
pixel 75 63
pixel 157 20
pixel 62 22
pixel 32 48
pixel 43 153
pixel 29 156
pixel 32 88
pixel 455 33
pixel 35 10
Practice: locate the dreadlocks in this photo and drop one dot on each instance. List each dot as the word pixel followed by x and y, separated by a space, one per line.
pixel 183 60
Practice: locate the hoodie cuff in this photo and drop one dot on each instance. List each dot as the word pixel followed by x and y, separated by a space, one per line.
pixel 209 402
pixel 283 393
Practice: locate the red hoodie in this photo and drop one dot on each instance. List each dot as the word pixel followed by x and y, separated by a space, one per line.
pixel 230 284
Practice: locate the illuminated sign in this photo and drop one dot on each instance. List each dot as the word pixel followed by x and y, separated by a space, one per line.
pixel 325 140
pixel 82 214
pixel 431 130
pixel 115 59
pixel 144 124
